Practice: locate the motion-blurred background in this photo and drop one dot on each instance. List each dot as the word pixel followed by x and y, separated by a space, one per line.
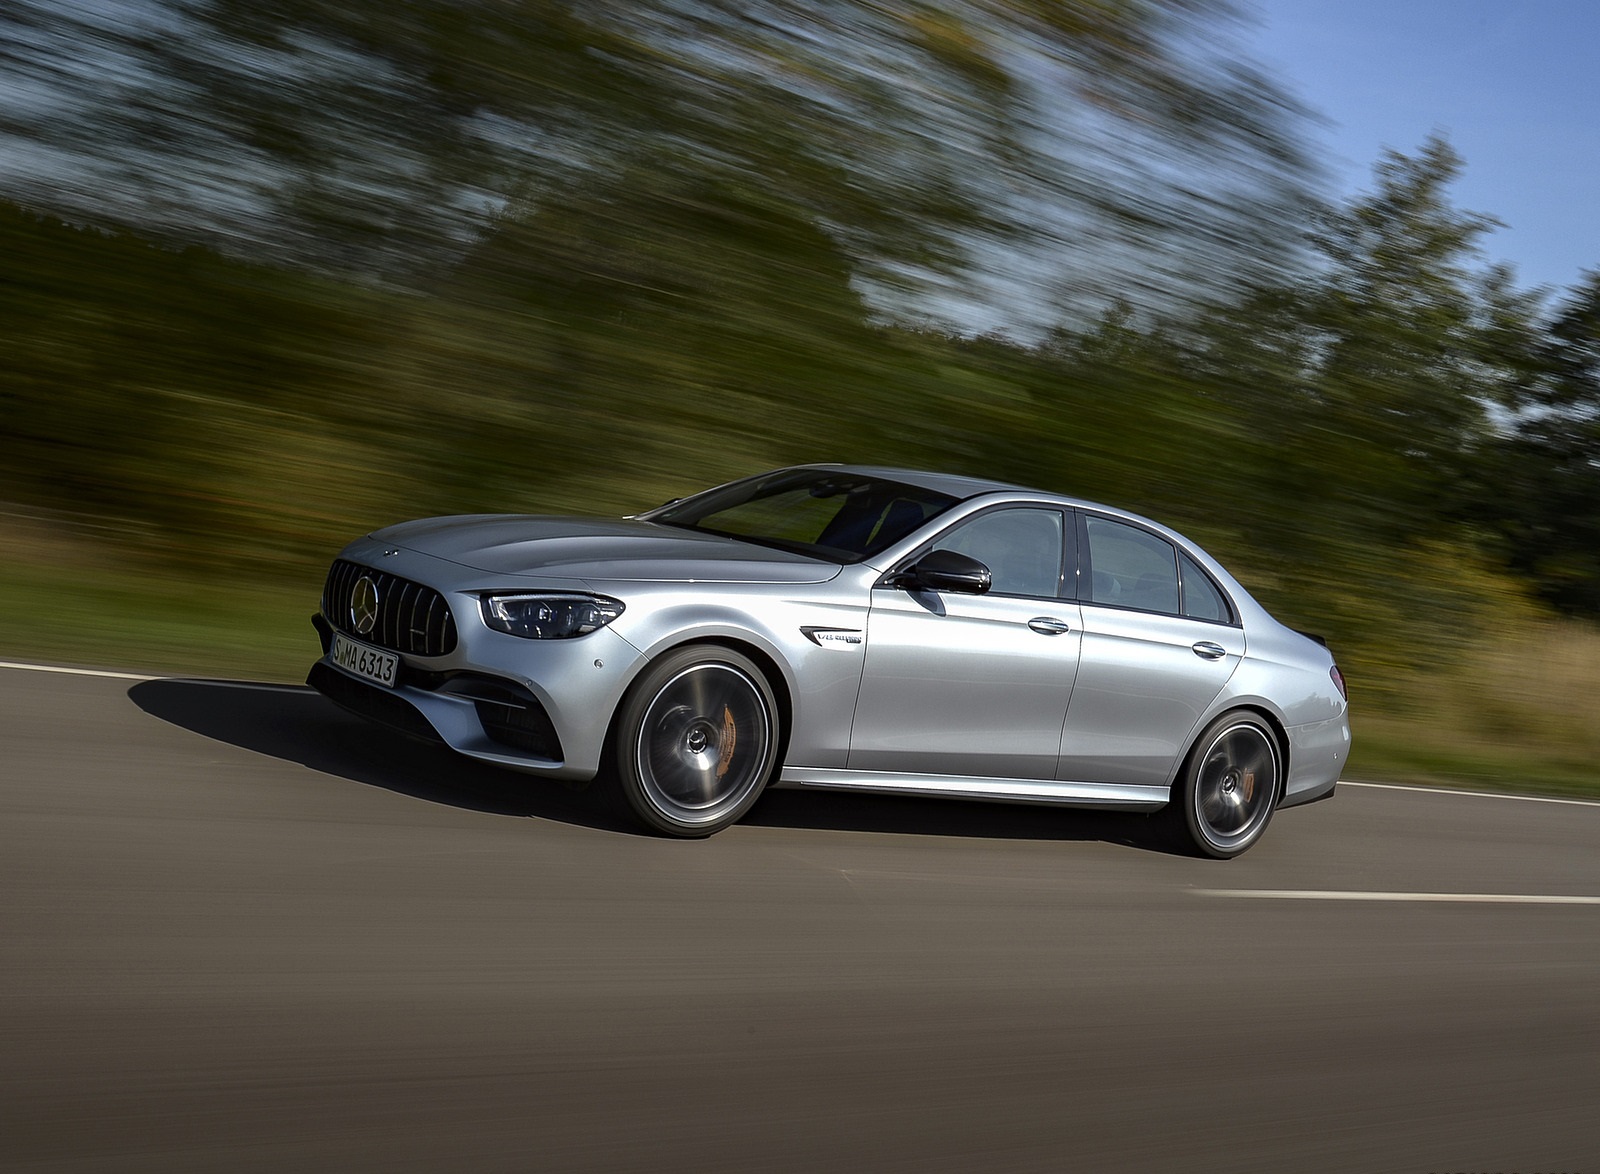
pixel 275 272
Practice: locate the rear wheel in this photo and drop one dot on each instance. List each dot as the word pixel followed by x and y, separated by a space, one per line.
pixel 697 740
pixel 1230 786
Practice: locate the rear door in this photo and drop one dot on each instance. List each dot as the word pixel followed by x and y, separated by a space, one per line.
pixel 1159 643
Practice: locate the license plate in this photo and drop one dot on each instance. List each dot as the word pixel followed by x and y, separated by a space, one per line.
pixel 364 661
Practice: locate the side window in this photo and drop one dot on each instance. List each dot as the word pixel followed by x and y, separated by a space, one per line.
pixel 1202 600
pixel 1022 548
pixel 1131 567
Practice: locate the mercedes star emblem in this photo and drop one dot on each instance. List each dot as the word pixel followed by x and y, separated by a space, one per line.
pixel 364 605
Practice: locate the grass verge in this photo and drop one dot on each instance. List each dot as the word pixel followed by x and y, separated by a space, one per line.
pixel 142 621
pixel 1515 712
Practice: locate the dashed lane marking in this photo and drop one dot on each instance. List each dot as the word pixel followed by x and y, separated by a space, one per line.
pixel 1421 898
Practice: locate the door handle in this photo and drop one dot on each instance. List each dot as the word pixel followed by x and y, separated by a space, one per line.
pixel 1048 626
pixel 1206 650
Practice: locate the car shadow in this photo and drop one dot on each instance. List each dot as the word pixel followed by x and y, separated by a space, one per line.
pixel 302 726
pixel 969 819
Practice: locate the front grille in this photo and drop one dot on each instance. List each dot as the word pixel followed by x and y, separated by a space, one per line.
pixel 411 618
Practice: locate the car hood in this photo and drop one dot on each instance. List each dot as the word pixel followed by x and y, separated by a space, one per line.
pixel 598 548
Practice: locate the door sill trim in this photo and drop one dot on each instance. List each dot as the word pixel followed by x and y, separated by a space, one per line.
pixel 1112 796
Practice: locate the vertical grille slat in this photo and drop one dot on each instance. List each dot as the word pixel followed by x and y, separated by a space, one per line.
pixel 412 617
pixel 393 628
pixel 431 622
pixel 416 634
pixel 402 617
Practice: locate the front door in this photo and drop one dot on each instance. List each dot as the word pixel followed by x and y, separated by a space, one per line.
pixel 977 685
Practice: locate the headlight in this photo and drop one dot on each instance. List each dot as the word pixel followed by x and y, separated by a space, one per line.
pixel 548 617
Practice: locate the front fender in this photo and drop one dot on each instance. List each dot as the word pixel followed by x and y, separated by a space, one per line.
pixel 819 681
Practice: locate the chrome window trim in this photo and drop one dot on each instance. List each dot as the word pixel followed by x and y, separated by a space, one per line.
pixel 1086 570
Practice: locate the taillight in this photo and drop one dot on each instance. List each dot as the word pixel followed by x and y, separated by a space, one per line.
pixel 1338 681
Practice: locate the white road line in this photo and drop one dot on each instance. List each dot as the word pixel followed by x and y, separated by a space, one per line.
pixel 1474 794
pixel 1426 898
pixel 51 668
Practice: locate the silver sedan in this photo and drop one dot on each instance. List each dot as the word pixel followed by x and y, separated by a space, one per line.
pixel 845 628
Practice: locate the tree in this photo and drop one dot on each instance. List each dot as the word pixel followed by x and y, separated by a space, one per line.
pixel 1370 382
pixel 937 143
pixel 1540 476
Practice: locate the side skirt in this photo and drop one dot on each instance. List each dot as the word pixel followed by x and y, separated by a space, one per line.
pixel 1109 796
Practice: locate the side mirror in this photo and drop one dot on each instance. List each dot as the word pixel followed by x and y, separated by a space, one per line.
pixel 946 570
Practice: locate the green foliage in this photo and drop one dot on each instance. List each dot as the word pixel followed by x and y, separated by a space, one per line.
pixel 1536 483
pixel 202 403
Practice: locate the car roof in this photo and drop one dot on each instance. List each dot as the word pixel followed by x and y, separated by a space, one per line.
pixel 965 488
pixel 950 483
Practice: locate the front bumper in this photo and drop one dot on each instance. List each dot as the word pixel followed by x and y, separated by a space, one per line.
pixel 541 706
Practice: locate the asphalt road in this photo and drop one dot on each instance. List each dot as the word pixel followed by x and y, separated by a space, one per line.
pixel 240 931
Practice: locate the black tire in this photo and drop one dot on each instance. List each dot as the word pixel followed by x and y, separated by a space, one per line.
pixel 1230 786
pixel 696 740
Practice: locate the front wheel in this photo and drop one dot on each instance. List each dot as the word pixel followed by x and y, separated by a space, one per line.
pixel 696 741
pixel 1230 786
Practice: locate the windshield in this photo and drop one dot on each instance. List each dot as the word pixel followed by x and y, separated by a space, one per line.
pixel 841 517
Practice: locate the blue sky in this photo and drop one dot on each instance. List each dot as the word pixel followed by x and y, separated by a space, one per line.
pixel 1514 86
